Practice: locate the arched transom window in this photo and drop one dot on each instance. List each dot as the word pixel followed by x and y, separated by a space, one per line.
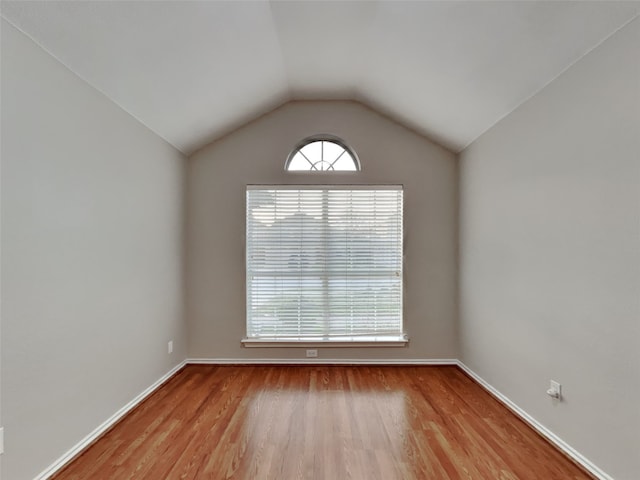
pixel 321 154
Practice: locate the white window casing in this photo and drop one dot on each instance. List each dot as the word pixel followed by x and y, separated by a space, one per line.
pixel 324 265
pixel 322 153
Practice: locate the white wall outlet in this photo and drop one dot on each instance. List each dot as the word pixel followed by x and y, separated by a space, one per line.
pixel 312 353
pixel 1 440
pixel 170 346
pixel 555 390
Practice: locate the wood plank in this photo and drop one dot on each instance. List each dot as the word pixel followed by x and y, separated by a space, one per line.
pixel 321 422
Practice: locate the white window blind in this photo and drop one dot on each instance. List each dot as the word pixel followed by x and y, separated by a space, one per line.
pixel 324 262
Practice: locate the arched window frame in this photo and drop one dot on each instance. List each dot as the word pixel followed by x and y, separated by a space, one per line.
pixel 326 138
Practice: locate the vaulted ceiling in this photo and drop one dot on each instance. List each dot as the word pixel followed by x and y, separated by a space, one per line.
pixel 192 71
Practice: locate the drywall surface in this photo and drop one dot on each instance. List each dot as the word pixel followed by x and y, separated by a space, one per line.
pixel 550 255
pixel 91 257
pixel 255 154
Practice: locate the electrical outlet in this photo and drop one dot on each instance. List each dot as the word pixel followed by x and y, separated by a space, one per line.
pixel 170 346
pixel 555 390
pixel 312 353
pixel 1 440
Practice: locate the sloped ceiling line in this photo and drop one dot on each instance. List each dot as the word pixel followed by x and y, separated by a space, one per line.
pixel 193 71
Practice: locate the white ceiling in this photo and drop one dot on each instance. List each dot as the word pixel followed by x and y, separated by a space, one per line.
pixel 192 71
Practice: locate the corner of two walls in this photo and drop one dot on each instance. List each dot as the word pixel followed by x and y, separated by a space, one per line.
pixel 92 253
pixel 256 154
pixel 548 243
pixel 550 259
pixel 98 215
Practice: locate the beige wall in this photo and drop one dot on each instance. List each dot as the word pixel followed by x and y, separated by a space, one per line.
pixel 218 175
pixel 91 257
pixel 550 255
pixel 92 217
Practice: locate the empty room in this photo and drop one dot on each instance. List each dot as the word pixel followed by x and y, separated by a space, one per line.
pixel 323 240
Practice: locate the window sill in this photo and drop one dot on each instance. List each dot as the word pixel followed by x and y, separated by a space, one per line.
pixel 353 342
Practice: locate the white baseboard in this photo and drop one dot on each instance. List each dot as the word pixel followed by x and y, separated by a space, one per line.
pixel 544 431
pixel 319 361
pixel 86 441
pixel 537 426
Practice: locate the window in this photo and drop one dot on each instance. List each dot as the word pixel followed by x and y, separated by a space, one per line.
pixel 322 153
pixel 324 264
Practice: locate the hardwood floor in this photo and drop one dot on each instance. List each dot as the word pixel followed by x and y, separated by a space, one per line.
pixel 321 422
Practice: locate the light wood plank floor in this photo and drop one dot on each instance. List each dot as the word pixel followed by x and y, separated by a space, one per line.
pixel 323 423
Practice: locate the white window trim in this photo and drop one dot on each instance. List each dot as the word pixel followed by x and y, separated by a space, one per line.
pixel 368 341
pixel 401 340
pixel 323 138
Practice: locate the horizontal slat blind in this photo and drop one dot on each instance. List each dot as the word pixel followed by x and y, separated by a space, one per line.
pixel 324 262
